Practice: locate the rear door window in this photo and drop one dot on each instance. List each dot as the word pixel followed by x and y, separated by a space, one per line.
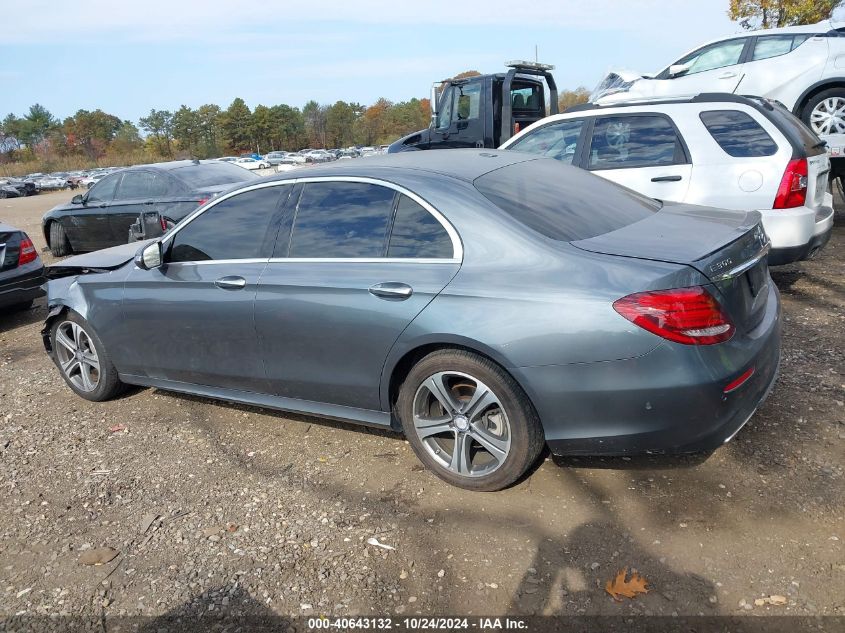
pixel 342 219
pixel 738 134
pixel 417 233
pixel 563 203
pixel 236 228
pixel 768 46
pixel 557 140
pixel 635 141
pixel 141 184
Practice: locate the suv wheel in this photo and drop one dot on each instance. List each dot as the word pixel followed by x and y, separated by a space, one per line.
pixel 825 112
pixel 469 421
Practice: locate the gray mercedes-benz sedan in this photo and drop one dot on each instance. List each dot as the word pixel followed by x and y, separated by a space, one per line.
pixel 485 303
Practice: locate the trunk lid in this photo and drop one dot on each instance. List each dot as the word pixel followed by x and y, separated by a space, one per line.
pixel 727 247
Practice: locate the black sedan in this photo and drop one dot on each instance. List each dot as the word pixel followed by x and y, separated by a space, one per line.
pixel 21 270
pixel 169 191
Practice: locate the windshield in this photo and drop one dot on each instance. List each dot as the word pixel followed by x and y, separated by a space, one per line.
pixel 208 174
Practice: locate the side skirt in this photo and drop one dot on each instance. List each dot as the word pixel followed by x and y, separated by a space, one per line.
pixel 368 417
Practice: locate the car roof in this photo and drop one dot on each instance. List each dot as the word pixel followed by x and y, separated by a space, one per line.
pixel 702 97
pixel 462 164
pixel 171 165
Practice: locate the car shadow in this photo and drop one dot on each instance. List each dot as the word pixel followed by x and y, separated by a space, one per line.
pixel 11 319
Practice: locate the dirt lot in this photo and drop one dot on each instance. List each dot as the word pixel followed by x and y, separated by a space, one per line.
pixel 226 509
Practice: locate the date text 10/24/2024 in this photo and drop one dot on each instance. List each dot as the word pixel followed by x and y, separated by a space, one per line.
pixel 419 623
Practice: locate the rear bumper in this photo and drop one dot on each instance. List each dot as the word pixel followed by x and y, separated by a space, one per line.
pixel 670 400
pixel 22 286
pixel 799 233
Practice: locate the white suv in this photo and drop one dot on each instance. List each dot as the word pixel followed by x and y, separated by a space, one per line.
pixel 803 67
pixel 717 150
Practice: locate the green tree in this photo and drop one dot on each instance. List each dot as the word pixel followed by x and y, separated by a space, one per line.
pixel 90 132
pixel 235 123
pixel 767 14
pixel 127 139
pixel 261 128
pixel 208 118
pixel 187 130
pixel 159 127
pixel 340 124
pixel 36 124
pixel 288 128
pixel 315 123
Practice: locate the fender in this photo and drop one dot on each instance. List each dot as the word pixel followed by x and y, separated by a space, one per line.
pixel 833 81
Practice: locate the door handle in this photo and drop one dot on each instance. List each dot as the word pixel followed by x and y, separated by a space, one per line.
pixel 230 283
pixel 727 75
pixel 392 290
pixel 674 178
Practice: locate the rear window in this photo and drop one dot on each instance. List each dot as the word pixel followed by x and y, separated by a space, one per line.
pixel 792 127
pixel 561 202
pixel 209 174
pixel 738 134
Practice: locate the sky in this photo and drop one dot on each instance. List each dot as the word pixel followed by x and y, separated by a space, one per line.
pixel 129 57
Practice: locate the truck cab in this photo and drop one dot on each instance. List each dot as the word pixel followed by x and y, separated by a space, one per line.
pixel 486 110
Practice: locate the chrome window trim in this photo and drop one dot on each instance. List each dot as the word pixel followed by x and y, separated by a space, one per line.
pixel 363 260
pixel 457 245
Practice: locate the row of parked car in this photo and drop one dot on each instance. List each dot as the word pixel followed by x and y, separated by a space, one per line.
pixel 32 184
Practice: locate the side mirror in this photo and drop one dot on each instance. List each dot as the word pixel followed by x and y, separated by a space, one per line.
pixel 77 199
pixel 433 102
pixel 149 257
pixel 676 70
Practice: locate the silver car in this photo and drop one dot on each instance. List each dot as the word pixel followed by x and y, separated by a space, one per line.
pixel 483 303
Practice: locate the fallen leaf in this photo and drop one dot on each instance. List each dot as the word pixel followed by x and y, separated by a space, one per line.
pixel 98 556
pixel 117 428
pixel 232 527
pixel 147 521
pixel 777 600
pixel 630 588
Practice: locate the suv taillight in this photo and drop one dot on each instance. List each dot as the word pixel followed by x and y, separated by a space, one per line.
pixel 690 316
pixel 27 253
pixel 792 191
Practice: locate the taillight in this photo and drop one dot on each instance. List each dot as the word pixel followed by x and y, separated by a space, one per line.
pixel 792 191
pixel 690 316
pixel 202 201
pixel 27 253
pixel 162 222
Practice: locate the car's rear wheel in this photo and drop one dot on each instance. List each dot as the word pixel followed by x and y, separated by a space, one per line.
pixel 469 421
pixel 82 359
pixel 824 113
pixel 59 244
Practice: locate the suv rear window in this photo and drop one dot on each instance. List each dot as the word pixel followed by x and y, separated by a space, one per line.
pixel 738 133
pixel 561 202
pixel 209 174
pixel 794 129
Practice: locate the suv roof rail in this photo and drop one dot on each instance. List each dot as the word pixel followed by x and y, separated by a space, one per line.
pixel 703 97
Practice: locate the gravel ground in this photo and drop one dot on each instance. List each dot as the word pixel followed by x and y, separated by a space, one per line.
pixel 223 509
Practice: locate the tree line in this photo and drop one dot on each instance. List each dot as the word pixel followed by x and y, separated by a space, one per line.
pixel 207 131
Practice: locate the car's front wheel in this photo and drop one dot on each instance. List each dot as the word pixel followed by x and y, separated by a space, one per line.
pixel 82 359
pixel 469 421
pixel 824 113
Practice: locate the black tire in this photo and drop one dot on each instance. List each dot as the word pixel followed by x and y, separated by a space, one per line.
pixel 524 430
pixel 816 99
pixel 59 244
pixel 2 194
pixel 108 384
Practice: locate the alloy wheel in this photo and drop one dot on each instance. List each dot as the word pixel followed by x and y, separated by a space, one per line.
pixel 462 424
pixel 77 356
pixel 828 117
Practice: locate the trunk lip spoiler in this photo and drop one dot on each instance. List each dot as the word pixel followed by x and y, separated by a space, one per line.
pixel 746 265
